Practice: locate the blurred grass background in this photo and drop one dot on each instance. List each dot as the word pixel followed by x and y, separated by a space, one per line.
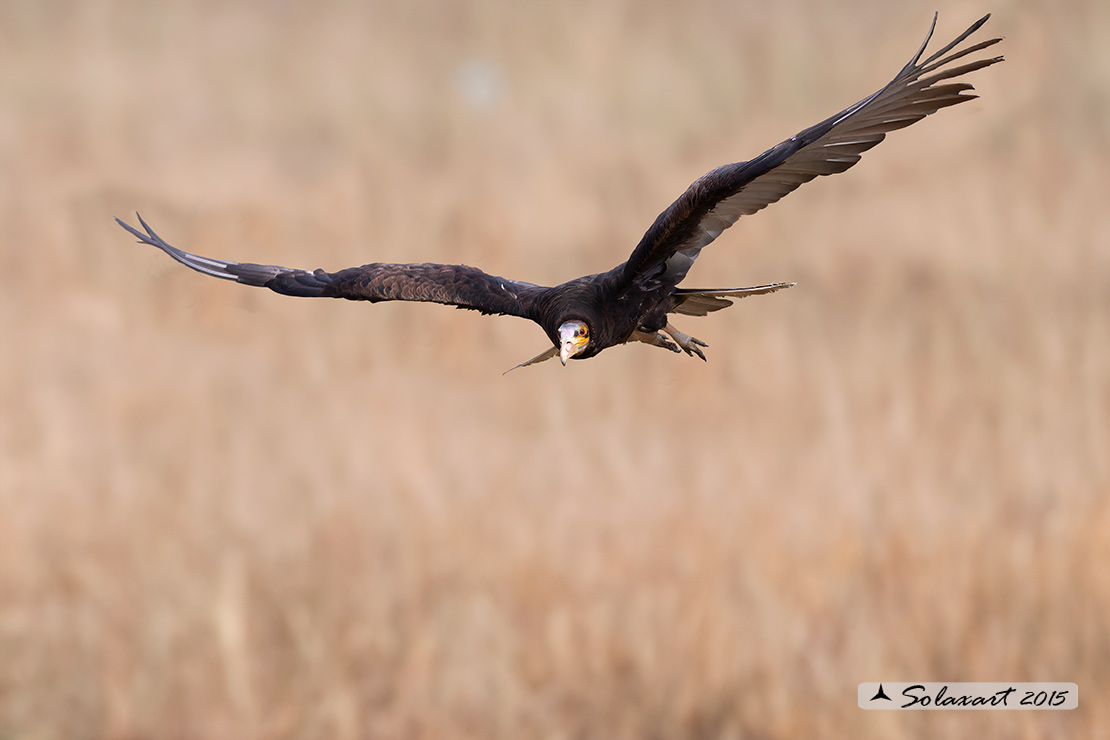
pixel 230 514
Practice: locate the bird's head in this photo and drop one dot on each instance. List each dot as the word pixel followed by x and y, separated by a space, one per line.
pixel 574 337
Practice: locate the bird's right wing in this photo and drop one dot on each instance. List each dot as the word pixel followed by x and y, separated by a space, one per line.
pixel 452 285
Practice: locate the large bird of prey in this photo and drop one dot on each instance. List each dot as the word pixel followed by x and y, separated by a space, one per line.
pixel 632 301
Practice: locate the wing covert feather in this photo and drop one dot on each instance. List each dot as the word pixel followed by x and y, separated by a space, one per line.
pixel 453 285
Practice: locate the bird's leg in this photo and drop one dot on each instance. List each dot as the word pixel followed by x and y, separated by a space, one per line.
pixel 690 345
pixel 654 338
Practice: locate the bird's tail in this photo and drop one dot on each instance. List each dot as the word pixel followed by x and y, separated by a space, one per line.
pixel 699 301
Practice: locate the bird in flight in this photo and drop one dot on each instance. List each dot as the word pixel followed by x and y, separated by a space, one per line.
pixel 632 301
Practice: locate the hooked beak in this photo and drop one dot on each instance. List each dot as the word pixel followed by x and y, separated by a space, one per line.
pixel 573 338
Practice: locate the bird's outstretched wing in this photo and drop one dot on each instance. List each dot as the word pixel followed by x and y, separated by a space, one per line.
pixel 716 200
pixel 452 285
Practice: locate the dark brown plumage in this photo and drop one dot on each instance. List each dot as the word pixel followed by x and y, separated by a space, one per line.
pixel 632 301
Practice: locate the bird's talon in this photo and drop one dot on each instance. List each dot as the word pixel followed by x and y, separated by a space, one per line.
pixel 690 345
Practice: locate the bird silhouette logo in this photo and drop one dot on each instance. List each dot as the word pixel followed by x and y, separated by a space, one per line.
pixel 880 694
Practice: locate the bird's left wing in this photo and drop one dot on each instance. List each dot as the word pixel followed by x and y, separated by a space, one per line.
pixel 716 200
pixel 452 285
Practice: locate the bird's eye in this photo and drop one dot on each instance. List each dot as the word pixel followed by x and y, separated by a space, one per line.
pixel 582 332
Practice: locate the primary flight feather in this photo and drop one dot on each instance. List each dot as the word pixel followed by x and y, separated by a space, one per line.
pixel 632 301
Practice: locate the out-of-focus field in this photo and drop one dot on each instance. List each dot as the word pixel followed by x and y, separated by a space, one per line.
pixel 226 513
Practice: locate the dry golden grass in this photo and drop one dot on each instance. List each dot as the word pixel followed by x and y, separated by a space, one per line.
pixel 229 514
